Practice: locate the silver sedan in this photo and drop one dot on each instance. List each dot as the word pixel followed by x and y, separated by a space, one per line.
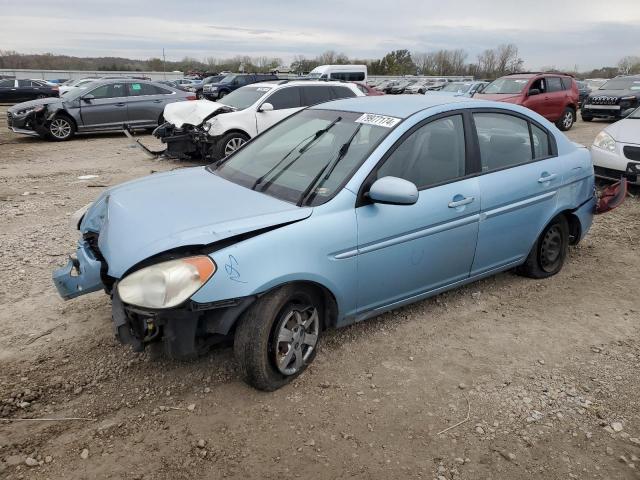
pixel 104 105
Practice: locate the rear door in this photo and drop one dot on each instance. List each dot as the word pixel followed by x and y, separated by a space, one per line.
pixel 557 97
pixel 145 103
pixel 519 182
pixel 107 109
pixel 25 91
pixel 286 101
pixel 8 90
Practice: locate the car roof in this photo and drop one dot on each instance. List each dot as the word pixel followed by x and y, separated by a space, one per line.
pixel 279 83
pixel 402 106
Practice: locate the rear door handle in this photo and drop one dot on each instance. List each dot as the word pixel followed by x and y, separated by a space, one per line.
pixel 547 178
pixel 120 104
pixel 157 101
pixel 460 203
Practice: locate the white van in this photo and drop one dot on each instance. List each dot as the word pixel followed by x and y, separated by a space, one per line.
pixel 349 73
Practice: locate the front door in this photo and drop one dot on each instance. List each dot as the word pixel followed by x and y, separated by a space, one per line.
pixel 519 187
pixel 107 109
pixel 407 250
pixel 286 101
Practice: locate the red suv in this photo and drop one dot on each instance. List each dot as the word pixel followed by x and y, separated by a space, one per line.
pixel 555 96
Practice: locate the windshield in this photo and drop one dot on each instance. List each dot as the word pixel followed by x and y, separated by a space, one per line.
pixel 244 97
pixel 457 87
pixel 305 155
pixel 506 85
pixel 622 84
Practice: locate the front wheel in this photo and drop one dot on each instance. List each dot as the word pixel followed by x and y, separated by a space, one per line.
pixel 586 118
pixel 567 120
pixel 277 338
pixel 61 128
pixel 199 95
pixel 230 143
pixel 549 252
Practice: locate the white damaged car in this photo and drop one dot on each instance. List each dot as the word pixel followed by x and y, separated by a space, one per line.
pixel 213 130
pixel 616 149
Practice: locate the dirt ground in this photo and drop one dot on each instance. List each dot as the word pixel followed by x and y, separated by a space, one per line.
pixel 545 371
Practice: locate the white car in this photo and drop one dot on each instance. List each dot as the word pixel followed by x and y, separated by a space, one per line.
pixel 75 84
pixel 617 146
pixel 213 130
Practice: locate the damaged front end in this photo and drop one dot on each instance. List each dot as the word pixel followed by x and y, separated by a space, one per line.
pixel 186 131
pixel 29 119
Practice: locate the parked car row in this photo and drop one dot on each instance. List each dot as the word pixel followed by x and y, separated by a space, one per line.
pixel 12 90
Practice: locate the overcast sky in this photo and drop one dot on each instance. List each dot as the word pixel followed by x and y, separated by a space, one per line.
pixel 560 33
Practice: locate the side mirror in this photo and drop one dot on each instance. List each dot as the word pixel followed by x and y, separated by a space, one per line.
pixel 393 191
pixel 87 98
pixel 534 91
pixel 265 107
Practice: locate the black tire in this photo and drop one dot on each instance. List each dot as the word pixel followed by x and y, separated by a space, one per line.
pixel 257 348
pixel 229 143
pixel 586 118
pixel 40 96
pixel 222 94
pixel 567 119
pixel 199 95
pixel 549 252
pixel 61 128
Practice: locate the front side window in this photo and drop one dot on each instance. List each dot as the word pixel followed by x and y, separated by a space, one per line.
pixel 24 83
pixel 433 154
pixel 111 90
pixel 288 97
pixel 315 95
pixel 504 140
pixel 306 158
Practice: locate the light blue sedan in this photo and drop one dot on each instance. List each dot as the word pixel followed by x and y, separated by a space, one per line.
pixel 337 214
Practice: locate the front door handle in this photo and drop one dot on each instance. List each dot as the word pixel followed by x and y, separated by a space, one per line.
pixel 547 178
pixel 157 101
pixel 460 203
pixel 120 104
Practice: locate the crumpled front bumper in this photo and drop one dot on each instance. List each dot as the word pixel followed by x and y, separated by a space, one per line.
pixel 81 275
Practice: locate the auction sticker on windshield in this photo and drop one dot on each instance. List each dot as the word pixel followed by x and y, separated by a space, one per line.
pixel 379 120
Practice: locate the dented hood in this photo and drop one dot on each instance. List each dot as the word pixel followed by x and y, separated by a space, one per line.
pixel 187 207
pixel 190 113
pixel 625 131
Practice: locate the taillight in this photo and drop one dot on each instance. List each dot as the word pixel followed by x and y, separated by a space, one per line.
pixel 55 89
pixel 192 97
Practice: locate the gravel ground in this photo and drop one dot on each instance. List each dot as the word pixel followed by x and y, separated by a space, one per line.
pixel 545 371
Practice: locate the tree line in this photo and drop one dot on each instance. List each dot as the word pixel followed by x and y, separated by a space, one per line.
pixel 491 63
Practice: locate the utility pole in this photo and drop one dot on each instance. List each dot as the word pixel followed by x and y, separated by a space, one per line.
pixel 164 65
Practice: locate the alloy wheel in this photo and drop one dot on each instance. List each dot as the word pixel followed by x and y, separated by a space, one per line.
pixel 60 128
pixel 296 338
pixel 567 121
pixel 233 144
pixel 551 249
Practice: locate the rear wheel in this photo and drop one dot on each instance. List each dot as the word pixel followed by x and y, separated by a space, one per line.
pixel 277 337
pixel 549 252
pixel 61 128
pixel 567 120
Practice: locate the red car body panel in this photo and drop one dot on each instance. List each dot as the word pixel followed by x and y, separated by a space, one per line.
pixel 550 105
pixel 367 90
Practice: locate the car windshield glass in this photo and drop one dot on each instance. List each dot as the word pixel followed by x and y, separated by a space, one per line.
pixel 506 85
pixel 622 84
pixel 457 87
pixel 290 157
pixel 244 97
pixel 212 79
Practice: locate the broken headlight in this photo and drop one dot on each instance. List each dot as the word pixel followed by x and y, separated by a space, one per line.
pixel 166 284
pixel 605 141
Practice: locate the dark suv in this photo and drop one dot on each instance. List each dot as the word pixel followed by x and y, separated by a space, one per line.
pixel 616 99
pixel 228 84
pixel 553 95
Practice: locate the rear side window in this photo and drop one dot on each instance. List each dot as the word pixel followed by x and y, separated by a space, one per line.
pixel 24 83
pixel 433 154
pixel 317 94
pixel 504 140
pixel 348 76
pixel 541 147
pixel 137 89
pixel 7 83
pixel 288 97
pixel 111 90
pixel 554 84
pixel 342 92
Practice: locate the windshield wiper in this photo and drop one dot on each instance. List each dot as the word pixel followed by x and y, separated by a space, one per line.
pixel 303 149
pixel 329 167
